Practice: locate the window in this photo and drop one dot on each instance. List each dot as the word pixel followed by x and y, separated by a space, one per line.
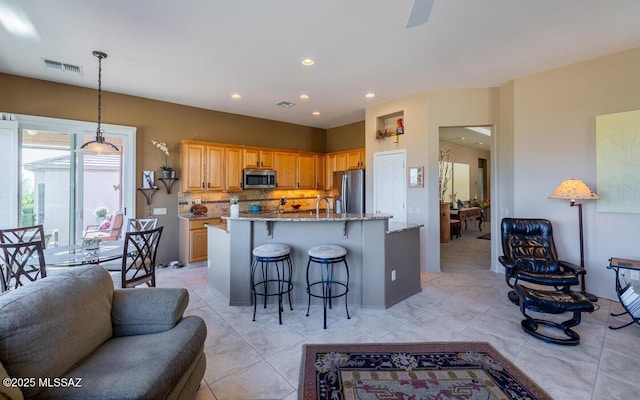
pixel 59 188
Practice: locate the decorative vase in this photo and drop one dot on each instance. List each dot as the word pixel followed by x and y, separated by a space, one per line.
pixel 445 221
pixel 167 174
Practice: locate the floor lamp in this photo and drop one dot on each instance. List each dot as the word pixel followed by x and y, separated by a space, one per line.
pixel 572 190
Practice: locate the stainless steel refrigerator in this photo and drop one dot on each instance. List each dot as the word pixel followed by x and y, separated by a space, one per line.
pixel 348 193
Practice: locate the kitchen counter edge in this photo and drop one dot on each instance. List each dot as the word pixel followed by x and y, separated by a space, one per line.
pixel 303 217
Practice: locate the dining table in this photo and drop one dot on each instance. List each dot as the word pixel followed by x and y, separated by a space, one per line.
pixel 78 255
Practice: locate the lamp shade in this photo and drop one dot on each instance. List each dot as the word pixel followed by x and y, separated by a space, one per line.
pixel 573 189
pixel 95 147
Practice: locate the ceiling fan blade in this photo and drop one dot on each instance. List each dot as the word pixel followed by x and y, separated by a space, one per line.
pixel 420 11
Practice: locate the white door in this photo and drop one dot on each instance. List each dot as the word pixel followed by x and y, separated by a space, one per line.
pixel 390 184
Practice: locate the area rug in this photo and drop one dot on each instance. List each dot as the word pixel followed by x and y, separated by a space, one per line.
pixel 486 236
pixel 403 371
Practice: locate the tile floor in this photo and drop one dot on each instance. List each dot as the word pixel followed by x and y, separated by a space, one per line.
pixel 261 359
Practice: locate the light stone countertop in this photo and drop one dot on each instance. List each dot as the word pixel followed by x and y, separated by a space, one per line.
pixel 402 226
pixel 192 217
pixel 311 217
pixel 306 217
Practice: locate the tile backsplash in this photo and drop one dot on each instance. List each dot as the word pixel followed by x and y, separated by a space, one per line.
pixel 218 203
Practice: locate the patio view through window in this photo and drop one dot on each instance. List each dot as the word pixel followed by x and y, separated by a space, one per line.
pixel 63 190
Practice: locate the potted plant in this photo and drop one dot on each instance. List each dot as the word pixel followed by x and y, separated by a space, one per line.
pixel 101 213
pixel 165 170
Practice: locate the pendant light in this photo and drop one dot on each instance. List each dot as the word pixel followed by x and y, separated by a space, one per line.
pixel 99 146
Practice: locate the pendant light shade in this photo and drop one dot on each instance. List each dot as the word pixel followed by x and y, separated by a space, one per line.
pixel 100 145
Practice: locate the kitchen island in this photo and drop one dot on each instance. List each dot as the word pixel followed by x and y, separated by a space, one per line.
pixel 383 256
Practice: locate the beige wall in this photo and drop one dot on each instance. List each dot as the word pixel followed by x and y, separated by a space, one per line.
pixel 544 132
pixel 346 137
pixel 424 113
pixel 554 140
pixel 544 129
pixel 154 120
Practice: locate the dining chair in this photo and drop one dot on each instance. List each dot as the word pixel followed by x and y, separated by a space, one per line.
pixel 19 235
pixel 23 234
pixel 141 224
pixel 21 262
pixel 138 259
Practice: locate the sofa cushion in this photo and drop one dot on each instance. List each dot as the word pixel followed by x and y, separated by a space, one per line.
pixel 50 325
pixel 137 367
pixel 147 310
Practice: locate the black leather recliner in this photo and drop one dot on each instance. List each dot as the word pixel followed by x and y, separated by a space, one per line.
pixel 530 255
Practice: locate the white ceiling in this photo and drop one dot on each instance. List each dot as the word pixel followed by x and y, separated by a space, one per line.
pixel 463 136
pixel 199 52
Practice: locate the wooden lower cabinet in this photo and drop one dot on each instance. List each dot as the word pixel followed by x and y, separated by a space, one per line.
pixel 193 240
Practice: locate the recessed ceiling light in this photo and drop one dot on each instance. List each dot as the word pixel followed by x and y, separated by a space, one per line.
pixel 316 113
pixel 370 95
pixel 236 96
pixel 304 96
pixel 308 61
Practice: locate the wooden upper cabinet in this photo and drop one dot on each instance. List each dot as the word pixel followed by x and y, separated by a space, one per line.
pixel 355 159
pixel 306 171
pixel 341 161
pixel 259 159
pixel 203 167
pixel 214 177
pixel 319 161
pixel 234 169
pixel 193 166
pixel 330 168
pixel 216 167
pixel 285 167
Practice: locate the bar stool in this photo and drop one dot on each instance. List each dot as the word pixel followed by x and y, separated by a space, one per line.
pixel 327 255
pixel 276 256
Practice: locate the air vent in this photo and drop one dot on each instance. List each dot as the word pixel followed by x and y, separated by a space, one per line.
pixel 62 67
pixel 286 104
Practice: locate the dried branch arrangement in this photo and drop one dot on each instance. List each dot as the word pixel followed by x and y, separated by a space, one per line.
pixel 445 171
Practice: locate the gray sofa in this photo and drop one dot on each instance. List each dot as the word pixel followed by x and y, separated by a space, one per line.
pixel 121 344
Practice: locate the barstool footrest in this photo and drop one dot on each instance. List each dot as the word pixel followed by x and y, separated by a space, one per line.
pixel 278 256
pixel 326 256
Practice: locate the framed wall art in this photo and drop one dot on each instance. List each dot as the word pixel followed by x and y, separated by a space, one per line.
pixel 416 177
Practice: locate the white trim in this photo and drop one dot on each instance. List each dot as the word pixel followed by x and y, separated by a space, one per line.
pixel 84 127
pixel 10 177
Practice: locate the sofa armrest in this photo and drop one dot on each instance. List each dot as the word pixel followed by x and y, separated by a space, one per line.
pixel 142 311
pixel 572 267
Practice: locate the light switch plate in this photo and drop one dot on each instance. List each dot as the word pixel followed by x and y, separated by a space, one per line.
pixel 159 211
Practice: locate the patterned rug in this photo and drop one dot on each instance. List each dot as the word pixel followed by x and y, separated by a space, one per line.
pixel 486 236
pixel 403 371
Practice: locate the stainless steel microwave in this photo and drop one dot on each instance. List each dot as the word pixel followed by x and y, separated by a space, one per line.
pixel 258 179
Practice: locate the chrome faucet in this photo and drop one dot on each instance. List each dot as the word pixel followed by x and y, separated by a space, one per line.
pixel 318 205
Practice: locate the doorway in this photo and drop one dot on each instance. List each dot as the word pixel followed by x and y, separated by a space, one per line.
pixel 468 249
